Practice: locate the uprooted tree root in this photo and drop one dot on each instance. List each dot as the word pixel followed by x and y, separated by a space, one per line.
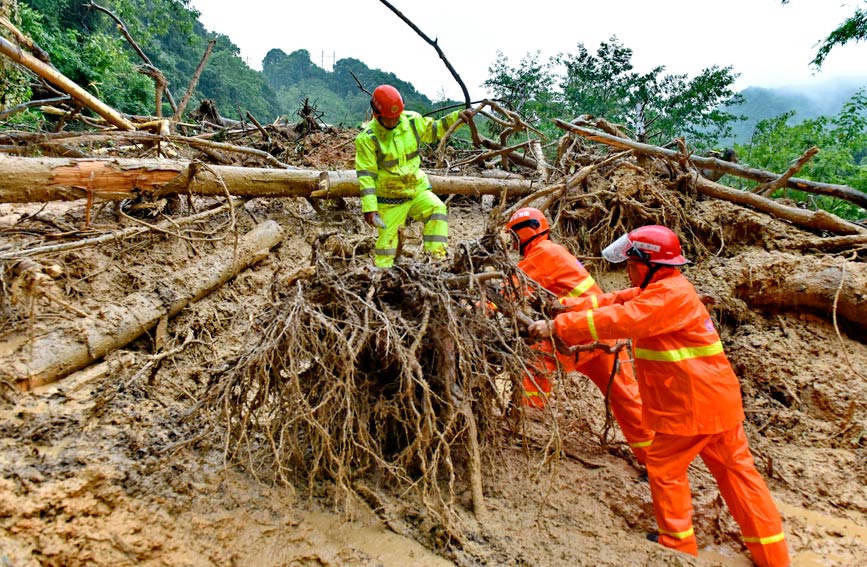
pixel 377 380
pixel 620 196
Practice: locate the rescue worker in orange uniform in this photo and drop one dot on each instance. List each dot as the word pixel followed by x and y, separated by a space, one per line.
pixel 554 268
pixel 692 399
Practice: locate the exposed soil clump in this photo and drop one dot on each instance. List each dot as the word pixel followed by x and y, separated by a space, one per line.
pixel 313 411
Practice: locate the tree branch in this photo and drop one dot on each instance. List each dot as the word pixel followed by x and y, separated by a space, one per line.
pixel 433 43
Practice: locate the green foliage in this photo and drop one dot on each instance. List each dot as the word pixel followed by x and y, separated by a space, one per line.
pixel 655 106
pixel 96 61
pixel 14 88
pixel 232 84
pixel 334 93
pixel 853 28
pixel 86 46
pixel 842 157
pixel 597 84
pixel 526 89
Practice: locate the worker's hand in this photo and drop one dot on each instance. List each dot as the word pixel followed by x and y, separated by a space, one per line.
pixel 467 115
pixel 373 219
pixel 553 307
pixel 541 329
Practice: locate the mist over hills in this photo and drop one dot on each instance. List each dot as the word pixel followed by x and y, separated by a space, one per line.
pixel 806 101
pixel 295 77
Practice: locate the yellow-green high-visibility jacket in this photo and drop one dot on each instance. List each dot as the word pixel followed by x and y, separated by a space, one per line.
pixel 387 162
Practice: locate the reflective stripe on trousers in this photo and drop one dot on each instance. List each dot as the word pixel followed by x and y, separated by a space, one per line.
pixel 727 456
pixel 425 207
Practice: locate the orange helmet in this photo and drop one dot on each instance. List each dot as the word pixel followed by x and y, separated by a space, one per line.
pixel 652 244
pixel 386 101
pixel 525 225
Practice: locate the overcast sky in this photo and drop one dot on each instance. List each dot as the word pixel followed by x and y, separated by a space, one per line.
pixel 770 45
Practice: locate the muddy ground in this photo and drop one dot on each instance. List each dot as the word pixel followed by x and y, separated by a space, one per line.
pixel 112 466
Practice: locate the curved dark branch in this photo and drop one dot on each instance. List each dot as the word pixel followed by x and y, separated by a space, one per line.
pixel 433 43
pixel 121 27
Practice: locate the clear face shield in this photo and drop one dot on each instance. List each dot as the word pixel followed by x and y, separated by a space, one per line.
pixel 618 251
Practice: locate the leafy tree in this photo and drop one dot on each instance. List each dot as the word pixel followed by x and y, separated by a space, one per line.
pixel 527 88
pixel 853 28
pixel 597 84
pixel 657 107
pixel 842 159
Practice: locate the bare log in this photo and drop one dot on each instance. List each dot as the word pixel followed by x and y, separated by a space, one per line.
pixel 31 103
pixel 54 76
pixel 27 180
pixel 117 235
pixel 813 220
pixel 194 81
pixel 58 353
pixel 828 189
pixel 45 140
pixel 149 68
pixel 767 189
pixel 22 39
pixel 433 43
pixel 786 282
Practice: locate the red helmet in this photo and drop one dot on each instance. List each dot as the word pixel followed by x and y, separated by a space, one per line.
pixel 526 225
pixel 652 244
pixel 386 101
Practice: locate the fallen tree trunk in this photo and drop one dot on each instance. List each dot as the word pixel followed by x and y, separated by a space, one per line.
pixel 60 352
pixel 116 235
pixel 828 189
pixel 54 77
pixel 813 220
pixel 786 282
pixel 27 180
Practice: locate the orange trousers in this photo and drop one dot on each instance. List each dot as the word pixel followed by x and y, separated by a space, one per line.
pixel 727 456
pixel 624 398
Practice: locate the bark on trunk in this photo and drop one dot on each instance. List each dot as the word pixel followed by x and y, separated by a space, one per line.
pixel 60 352
pixel 839 191
pixel 54 76
pixel 786 282
pixel 27 180
pixel 813 220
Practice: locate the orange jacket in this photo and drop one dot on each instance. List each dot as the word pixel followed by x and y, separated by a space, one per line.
pixel 553 267
pixel 686 382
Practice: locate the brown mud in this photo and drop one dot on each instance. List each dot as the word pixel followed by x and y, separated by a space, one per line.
pixel 111 467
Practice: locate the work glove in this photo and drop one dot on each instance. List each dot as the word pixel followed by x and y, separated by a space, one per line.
pixel 373 219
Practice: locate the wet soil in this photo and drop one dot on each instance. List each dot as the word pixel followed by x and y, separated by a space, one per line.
pixel 111 466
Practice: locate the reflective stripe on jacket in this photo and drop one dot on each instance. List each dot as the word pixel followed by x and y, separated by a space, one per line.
pixel 687 384
pixel 387 162
pixel 553 267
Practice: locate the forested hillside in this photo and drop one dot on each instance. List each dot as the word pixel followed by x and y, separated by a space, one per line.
pixel 336 94
pixel 85 42
pixel 805 103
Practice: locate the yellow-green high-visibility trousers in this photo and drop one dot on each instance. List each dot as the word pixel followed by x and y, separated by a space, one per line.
pixel 425 207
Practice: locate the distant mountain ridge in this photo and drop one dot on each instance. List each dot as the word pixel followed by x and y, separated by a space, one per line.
pixel 760 103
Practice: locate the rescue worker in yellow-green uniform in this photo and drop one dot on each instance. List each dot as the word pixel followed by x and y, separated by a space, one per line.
pixel 392 183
